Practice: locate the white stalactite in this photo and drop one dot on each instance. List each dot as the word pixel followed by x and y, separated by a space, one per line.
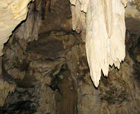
pixel 105 33
pixel 12 12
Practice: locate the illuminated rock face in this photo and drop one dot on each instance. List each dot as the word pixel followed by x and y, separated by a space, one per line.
pixel 12 12
pixel 104 23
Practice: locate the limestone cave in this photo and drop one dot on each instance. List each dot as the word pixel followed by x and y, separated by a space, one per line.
pixel 69 56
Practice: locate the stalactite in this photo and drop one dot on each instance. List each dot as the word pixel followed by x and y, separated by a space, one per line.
pixel 105 33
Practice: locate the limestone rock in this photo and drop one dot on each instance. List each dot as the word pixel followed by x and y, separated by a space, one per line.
pixel 29 30
pixel 5 88
pixel 12 12
pixel 105 33
pixel 133 16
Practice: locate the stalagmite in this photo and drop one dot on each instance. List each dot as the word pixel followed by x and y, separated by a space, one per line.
pixel 12 12
pixel 105 33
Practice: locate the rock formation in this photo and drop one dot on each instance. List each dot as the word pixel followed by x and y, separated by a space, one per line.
pixel 12 13
pixel 44 68
pixel 105 33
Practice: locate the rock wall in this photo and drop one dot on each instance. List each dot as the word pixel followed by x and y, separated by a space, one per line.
pixel 51 74
pixel 132 16
pixel 12 12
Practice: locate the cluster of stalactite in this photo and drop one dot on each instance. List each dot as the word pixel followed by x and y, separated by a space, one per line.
pixel 104 22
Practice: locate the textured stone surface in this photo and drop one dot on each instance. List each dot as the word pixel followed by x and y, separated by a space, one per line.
pixel 51 75
pixel 132 16
pixel 12 13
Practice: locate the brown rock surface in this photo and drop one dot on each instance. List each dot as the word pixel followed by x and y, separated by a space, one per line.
pixel 51 75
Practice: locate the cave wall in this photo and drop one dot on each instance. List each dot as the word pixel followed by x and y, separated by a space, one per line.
pixel 132 16
pixel 12 13
pixel 47 66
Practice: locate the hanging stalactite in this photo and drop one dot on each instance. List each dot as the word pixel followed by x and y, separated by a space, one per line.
pixel 105 33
